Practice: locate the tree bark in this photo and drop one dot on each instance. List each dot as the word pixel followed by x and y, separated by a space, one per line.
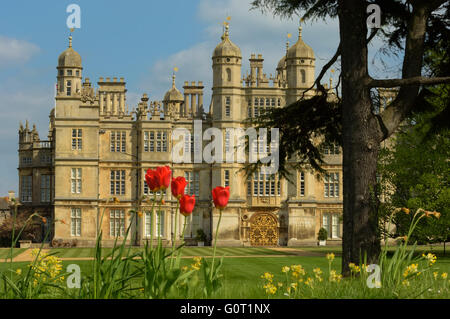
pixel 360 141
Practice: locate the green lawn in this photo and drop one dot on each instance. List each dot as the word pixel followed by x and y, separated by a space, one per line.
pixel 437 250
pixel 187 251
pixel 242 276
pixel 5 252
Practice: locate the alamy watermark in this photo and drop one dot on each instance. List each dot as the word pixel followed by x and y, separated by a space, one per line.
pixel 74 19
pixel 374 279
pixel 374 19
pixel 74 279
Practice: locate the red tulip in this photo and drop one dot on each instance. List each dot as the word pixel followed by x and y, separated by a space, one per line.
pixel 164 174
pixel 152 180
pixel 187 204
pixel 177 186
pixel 221 195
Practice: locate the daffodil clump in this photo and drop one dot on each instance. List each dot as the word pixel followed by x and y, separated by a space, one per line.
pixel 296 278
pixel 197 263
pixel 46 268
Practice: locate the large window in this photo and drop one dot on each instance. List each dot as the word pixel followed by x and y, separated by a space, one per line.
pixel 264 185
pixel 226 178
pixel 227 106
pixel 69 88
pixel 117 182
pixel 75 222
pixel 302 183
pixel 331 222
pixel 118 141
pixel 193 186
pixel 77 139
pixel 147 191
pixel 155 141
pixel 75 180
pixel 331 149
pixel 159 224
pixel 116 222
pixel 26 188
pixel 45 188
pixel 26 160
pixel 331 185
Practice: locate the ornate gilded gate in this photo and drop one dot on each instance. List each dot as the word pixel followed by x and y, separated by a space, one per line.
pixel 263 230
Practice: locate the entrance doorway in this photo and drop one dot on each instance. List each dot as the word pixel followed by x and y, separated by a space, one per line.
pixel 264 230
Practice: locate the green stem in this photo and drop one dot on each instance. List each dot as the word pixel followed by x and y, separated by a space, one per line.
pixel 184 228
pixel 174 237
pixel 215 243
pixel 13 240
pixel 182 234
pixel 152 220
pixel 159 218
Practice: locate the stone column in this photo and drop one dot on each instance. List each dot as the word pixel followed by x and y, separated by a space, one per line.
pixel 186 105
pixel 200 101
pixel 108 103
pixel 122 103
pixel 101 103
pixel 194 104
pixel 114 103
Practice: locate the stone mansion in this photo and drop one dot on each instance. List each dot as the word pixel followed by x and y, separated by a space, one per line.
pixel 98 149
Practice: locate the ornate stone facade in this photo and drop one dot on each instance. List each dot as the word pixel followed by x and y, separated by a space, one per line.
pixel 98 149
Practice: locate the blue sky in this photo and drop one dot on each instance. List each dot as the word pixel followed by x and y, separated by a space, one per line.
pixel 140 40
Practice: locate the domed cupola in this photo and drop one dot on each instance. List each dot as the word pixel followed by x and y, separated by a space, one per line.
pixel 69 58
pixel 173 95
pixel 173 100
pixel 69 73
pixel 226 48
pixel 300 49
pixel 300 68
pixel 227 62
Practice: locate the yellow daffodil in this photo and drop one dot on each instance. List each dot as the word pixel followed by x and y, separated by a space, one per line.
pixel 285 269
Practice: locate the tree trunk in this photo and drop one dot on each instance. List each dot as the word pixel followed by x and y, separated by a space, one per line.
pixel 360 141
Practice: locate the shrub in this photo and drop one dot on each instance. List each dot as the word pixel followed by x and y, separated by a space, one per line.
pixel 323 234
pixel 31 230
pixel 201 236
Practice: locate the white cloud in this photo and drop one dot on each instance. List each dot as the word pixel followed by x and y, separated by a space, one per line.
pixel 14 51
pixel 194 64
pixel 251 30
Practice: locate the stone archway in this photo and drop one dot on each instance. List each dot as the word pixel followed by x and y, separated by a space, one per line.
pixel 264 229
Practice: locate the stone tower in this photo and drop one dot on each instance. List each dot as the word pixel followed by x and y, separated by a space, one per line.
pixel 227 113
pixel 69 72
pixel 300 66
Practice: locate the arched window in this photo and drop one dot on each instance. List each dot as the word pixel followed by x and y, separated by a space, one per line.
pixel 228 74
pixel 303 75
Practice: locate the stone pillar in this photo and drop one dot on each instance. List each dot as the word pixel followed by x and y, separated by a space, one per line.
pixel 186 105
pixel 200 101
pixel 108 103
pixel 194 104
pixel 101 102
pixel 122 103
pixel 113 103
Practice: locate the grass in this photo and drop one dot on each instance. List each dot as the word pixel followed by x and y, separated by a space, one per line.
pixel 4 252
pixel 438 250
pixel 187 251
pixel 242 276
